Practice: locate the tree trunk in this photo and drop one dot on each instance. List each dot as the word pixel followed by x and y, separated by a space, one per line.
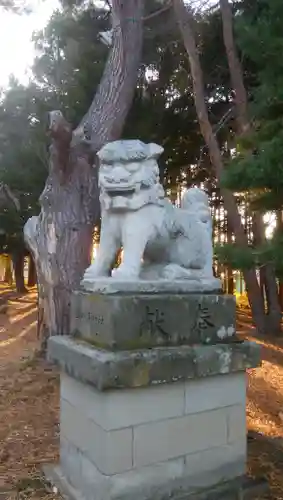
pixel 268 277
pixel 185 23
pixel 61 237
pixel 235 68
pixel 31 272
pixel 268 283
pixel 257 240
pixel 8 275
pixel 230 277
pixel 274 315
pixel 18 264
pixel 280 294
pixel 280 230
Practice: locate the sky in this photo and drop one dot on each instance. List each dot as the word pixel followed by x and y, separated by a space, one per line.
pixel 17 52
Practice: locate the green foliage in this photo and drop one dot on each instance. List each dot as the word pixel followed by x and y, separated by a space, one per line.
pixel 23 159
pixel 68 68
pixel 259 163
pixel 234 256
pixel 270 252
pixel 257 168
pixel 71 59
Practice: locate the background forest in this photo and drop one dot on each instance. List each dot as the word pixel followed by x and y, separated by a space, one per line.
pixel 69 65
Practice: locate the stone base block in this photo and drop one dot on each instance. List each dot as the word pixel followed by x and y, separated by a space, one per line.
pixel 132 321
pixel 199 423
pixel 141 368
pixel 149 286
pixel 154 424
pixel 242 488
pixel 155 442
pixel 162 481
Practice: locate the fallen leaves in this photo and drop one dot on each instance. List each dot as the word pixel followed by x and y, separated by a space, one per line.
pixel 29 406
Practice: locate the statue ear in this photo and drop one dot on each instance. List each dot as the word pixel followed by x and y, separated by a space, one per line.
pixel 154 150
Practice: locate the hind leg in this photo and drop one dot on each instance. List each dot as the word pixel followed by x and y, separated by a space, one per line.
pixel 175 272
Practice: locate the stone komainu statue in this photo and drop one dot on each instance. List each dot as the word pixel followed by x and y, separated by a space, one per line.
pixel 159 240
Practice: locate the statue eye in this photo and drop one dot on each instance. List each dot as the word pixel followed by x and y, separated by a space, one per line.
pixel 132 167
pixel 106 167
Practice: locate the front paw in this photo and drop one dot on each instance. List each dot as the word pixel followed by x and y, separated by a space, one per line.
pixel 94 272
pixel 124 273
pixel 173 272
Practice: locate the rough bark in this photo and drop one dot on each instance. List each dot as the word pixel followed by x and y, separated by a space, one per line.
pixel 268 277
pixel 274 314
pixel 30 234
pixel 106 116
pixel 18 264
pixel 230 277
pixel 32 279
pixel 257 240
pixel 185 23
pixel 61 237
pixel 235 67
pixel 268 283
pixel 8 275
pixel 279 229
pixel 280 294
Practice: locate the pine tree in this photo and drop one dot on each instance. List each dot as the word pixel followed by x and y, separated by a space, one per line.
pixel 258 167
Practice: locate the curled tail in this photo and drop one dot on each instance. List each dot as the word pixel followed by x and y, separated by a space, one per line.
pixel 196 201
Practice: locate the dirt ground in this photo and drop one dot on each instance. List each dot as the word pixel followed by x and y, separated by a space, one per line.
pixel 29 406
pixel 29 402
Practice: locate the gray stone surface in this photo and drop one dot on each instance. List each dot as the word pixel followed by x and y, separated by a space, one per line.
pixel 159 240
pixel 167 439
pixel 162 480
pixel 110 451
pixel 106 428
pixel 130 407
pixel 110 286
pixel 108 370
pixel 243 488
pixel 202 438
pixel 131 321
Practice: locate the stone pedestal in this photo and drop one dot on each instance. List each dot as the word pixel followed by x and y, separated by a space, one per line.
pixel 153 397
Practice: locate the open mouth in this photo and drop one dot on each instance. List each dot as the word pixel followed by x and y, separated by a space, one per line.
pixel 120 191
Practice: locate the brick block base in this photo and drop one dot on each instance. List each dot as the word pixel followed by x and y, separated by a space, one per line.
pixel 154 441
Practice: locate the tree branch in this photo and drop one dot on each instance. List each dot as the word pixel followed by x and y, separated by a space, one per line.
pixel 150 16
pixel 105 118
pixel 6 196
pixel 158 12
pixel 17 7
